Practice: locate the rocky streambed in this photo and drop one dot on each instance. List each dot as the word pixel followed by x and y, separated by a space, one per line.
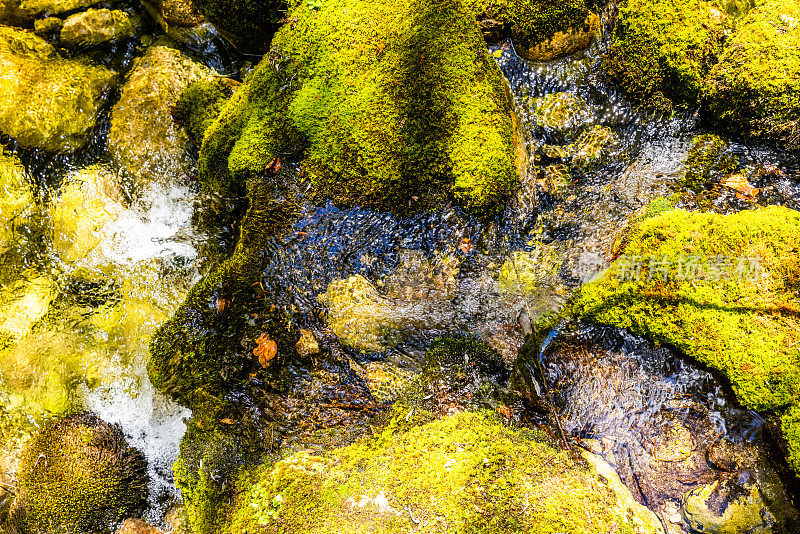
pixel 472 266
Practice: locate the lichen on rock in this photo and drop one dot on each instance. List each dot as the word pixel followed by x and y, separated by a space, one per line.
pixel 47 101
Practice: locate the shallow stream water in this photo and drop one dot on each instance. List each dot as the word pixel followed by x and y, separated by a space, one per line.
pixel 442 272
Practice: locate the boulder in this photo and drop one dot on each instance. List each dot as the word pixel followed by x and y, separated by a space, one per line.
pixel 182 13
pixel 144 138
pixel 96 26
pixel 22 12
pixel 396 116
pixel 47 101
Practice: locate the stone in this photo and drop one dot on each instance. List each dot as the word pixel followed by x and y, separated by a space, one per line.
pixel 47 101
pixel 726 508
pixel 96 26
pixel 144 139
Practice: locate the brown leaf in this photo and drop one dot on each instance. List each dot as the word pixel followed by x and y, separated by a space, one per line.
pixel 274 166
pixel 739 183
pixel 266 349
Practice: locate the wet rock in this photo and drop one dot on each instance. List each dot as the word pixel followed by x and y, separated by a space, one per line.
pixel 707 161
pixel 96 26
pixel 574 38
pixel 144 138
pixel 727 456
pixel 48 25
pixel 249 25
pixel 176 12
pixel 46 101
pixel 24 303
pixel 89 200
pixel 21 12
pixel 727 508
pixel 561 112
pixel 386 380
pixel 674 442
pixel 16 200
pixel 459 142
pixel 79 473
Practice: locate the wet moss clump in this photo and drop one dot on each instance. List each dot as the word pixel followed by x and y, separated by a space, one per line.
pixel 755 88
pixel 78 474
pixel 662 51
pixel 707 161
pixel 464 473
pixel 729 300
pixel 790 427
pixel 200 104
pixel 397 113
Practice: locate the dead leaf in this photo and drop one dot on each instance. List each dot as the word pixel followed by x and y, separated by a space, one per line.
pixel 739 183
pixel 222 305
pixel 505 411
pixel 274 166
pixel 266 349
pixel 466 245
pixel 227 421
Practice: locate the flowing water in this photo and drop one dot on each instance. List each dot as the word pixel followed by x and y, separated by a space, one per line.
pixel 439 272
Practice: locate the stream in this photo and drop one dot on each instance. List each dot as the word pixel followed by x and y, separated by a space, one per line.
pixel 443 272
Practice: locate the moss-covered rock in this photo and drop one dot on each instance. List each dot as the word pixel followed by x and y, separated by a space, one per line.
pixel 176 12
pixel 22 12
pixel 755 88
pixel 46 101
pixel 730 298
pixel 662 51
pixel 200 104
pixel 542 30
pixel 464 473
pixel 78 474
pixel 396 114
pixel 249 24
pixel 727 508
pixel 96 26
pixel 144 138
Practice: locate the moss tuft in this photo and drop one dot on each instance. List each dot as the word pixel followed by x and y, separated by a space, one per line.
pixel 200 104
pixel 78 474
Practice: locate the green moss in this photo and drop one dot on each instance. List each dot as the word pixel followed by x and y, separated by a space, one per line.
pixel 790 427
pixel 206 348
pixel 248 23
pixel 46 101
pixel 755 87
pixel 464 473
pixel 707 161
pixel 78 474
pixel 744 324
pixel 662 51
pixel 200 104
pixel 395 113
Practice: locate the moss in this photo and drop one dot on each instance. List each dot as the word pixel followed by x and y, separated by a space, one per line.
pixel 394 114
pixel 143 137
pixel 464 473
pixel 755 88
pixel 707 161
pixel 206 348
pixel 200 104
pixel 96 26
pixel 662 51
pixel 47 102
pixel 743 324
pixel 248 23
pixel 78 474
pixel 790 427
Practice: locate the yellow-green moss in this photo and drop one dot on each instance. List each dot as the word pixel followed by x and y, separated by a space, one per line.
pixel 755 87
pixel 200 104
pixel 790 426
pixel 46 101
pixel 464 473
pixel 79 475
pixel 395 104
pixel 662 51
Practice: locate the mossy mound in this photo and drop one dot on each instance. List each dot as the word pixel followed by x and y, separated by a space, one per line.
pixel 46 101
pixel 394 114
pixel 78 474
pixel 755 87
pixel 464 473
pixel 730 299
pixel 736 307
pixel 249 24
pixel 542 30
pixel 144 138
pixel 662 51
pixel 200 104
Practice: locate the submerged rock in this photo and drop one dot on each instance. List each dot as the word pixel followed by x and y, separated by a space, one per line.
pixel 144 138
pixel 396 116
pixel 96 26
pixel 462 473
pixel 79 473
pixel 248 24
pixel 16 199
pixel 46 101
pixel 176 12
pixel 727 509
